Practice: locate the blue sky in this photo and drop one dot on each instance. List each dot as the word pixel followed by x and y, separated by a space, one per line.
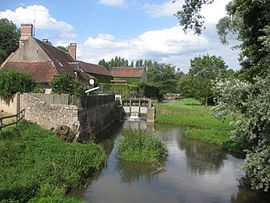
pixel 133 29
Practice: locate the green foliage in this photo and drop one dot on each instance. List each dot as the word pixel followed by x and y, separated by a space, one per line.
pixel 202 125
pixel 141 146
pixel 250 105
pixel 65 49
pixel 164 75
pixel 102 78
pixel 189 16
pixel 249 20
pixel 3 56
pixel 9 37
pixel 65 84
pixel 150 90
pixel 134 81
pixel 200 79
pixel 126 90
pixel 57 199
pixel 35 163
pixel 12 82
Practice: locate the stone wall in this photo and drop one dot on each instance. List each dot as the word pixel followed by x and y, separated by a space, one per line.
pixel 48 115
pixel 93 114
pixel 10 106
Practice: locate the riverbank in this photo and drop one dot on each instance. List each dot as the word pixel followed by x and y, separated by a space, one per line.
pixel 38 166
pixel 199 120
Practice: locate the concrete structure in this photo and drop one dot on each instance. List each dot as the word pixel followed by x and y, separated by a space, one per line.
pixel 139 107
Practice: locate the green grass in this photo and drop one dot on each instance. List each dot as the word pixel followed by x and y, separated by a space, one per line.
pixel 37 164
pixel 199 119
pixel 141 146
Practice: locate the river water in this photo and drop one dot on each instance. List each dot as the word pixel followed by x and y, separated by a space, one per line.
pixel 195 173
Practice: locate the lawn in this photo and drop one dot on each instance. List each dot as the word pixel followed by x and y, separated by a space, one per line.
pixel 37 166
pixel 199 120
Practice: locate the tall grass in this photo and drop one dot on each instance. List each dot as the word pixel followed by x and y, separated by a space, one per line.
pixel 141 146
pixel 35 163
pixel 199 120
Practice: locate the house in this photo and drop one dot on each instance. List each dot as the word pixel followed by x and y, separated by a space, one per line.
pixel 99 73
pixel 129 75
pixel 43 61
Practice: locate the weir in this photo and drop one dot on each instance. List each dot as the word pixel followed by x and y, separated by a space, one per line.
pixel 134 107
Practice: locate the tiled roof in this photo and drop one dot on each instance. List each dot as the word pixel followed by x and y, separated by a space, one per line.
pixel 94 69
pixel 40 71
pixel 127 72
pixel 63 62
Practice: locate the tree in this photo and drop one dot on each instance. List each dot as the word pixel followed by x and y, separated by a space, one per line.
pixel 189 16
pixel 65 49
pixel 65 84
pixel 250 105
pixel 200 79
pixel 9 38
pixel 248 19
pixel 164 76
pixel 12 82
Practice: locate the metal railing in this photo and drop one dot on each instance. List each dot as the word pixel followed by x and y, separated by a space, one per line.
pixel 19 116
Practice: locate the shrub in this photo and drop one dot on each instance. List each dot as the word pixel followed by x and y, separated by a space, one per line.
pixel 141 146
pixel 151 90
pixel 65 84
pixel 12 81
pixel 35 163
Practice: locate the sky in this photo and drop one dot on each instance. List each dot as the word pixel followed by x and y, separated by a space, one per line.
pixel 133 29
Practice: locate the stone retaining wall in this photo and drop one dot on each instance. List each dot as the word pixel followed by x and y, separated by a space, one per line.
pixel 48 115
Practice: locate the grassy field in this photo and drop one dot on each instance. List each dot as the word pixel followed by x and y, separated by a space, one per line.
pixel 140 146
pixel 198 118
pixel 37 166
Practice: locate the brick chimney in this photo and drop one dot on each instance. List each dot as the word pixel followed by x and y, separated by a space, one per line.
pixel 72 50
pixel 26 30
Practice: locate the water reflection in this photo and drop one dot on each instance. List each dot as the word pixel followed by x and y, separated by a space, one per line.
pixel 201 158
pixel 195 173
pixel 134 172
pixel 246 195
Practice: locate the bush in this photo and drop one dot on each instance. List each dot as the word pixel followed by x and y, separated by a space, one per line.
pixel 126 90
pixel 65 84
pixel 151 90
pixel 12 81
pixel 141 146
pixel 35 163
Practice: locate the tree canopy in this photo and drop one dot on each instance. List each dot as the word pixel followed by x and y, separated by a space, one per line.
pixel 65 84
pixel 9 38
pixel 248 19
pixel 200 79
pixel 248 101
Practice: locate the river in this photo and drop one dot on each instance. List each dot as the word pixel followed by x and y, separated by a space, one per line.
pixel 195 173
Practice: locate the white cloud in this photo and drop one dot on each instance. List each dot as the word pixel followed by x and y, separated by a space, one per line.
pixel 166 9
pixel 112 2
pixel 212 12
pixel 170 45
pixel 40 16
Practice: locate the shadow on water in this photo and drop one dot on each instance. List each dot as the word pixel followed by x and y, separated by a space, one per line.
pixel 195 172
